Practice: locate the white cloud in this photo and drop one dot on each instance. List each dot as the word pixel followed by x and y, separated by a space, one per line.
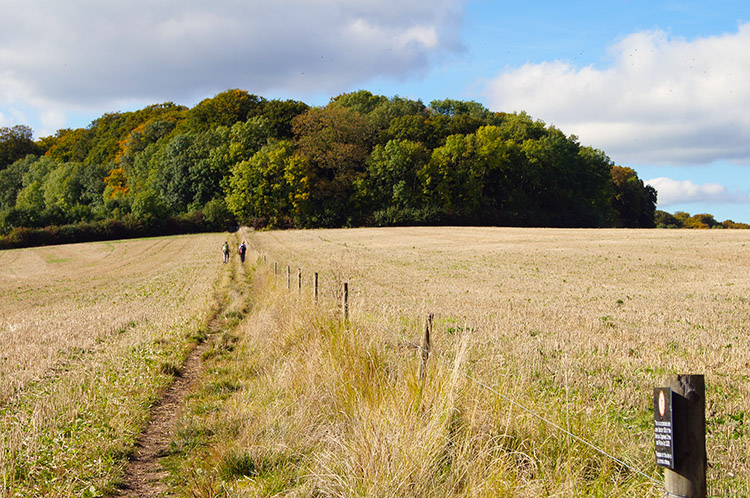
pixel 672 192
pixel 12 117
pixel 83 54
pixel 661 101
pixel 51 121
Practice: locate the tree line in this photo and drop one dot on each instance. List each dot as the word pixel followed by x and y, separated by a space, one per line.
pixel 682 219
pixel 361 160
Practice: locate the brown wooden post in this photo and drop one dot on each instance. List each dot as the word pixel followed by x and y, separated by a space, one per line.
pixel 275 268
pixel 315 287
pixel 426 342
pixel 288 277
pixel 299 280
pixel 345 302
pixel 688 479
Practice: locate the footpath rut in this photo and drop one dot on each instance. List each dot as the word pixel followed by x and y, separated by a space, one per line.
pixel 144 474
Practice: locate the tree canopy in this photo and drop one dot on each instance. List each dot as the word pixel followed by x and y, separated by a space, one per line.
pixel 361 160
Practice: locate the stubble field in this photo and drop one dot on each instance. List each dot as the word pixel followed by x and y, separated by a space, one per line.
pixel 571 326
pixel 578 326
pixel 90 335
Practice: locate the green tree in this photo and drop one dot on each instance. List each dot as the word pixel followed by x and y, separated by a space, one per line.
pixel 336 142
pixel 663 219
pixel 502 168
pixel 465 117
pixel 570 188
pixel 70 145
pixel 218 216
pixel 183 172
pixel 520 127
pixel 280 115
pixel 247 138
pixel 31 196
pixel 170 174
pixel 392 174
pixel 11 180
pixel 16 143
pixel 224 109
pixel 452 178
pixel 427 130
pixel 362 101
pixel 389 109
pixel 634 203
pixel 139 139
pixel 259 188
pixel 62 187
pixel 149 209
pixel 76 190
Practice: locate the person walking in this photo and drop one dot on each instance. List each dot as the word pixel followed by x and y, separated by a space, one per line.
pixel 225 252
pixel 242 251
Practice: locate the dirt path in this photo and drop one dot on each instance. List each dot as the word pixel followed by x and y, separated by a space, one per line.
pixel 144 475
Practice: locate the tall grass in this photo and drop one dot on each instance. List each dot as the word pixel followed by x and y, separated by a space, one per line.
pixel 576 326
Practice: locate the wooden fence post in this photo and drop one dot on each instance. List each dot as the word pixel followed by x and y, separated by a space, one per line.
pixel 275 268
pixel 688 479
pixel 299 280
pixel 288 277
pixel 345 303
pixel 426 342
pixel 315 287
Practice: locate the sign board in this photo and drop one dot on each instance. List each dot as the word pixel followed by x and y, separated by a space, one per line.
pixel 664 427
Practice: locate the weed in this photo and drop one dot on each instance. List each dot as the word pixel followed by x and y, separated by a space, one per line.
pixel 171 369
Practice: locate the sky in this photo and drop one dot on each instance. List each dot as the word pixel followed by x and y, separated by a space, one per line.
pixel 659 86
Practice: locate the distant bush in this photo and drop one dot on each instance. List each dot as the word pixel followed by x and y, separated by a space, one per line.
pixel 126 228
pixel 682 219
pixel 393 216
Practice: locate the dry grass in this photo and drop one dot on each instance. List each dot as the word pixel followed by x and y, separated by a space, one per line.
pixel 576 325
pixel 91 334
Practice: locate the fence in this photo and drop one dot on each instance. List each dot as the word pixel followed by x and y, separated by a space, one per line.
pixel 685 481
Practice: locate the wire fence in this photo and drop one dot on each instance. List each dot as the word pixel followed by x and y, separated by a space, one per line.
pixel 295 281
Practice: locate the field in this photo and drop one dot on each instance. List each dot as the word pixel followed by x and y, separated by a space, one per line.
pixel 91 333
pixel 575 327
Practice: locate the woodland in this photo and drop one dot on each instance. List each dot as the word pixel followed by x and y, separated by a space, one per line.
pixel 361 160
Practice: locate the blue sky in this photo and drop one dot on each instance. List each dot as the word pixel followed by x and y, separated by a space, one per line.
pixel 658 86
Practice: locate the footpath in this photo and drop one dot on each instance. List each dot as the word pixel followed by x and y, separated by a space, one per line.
pixel 144 474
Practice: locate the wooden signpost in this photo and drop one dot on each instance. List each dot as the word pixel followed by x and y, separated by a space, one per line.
pixel 315 287
pixel 345 303
pixel 680 435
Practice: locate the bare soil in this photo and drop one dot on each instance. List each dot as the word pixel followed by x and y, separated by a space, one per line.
pixel 144 475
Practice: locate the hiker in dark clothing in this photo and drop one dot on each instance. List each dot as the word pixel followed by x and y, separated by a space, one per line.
pixel 243 250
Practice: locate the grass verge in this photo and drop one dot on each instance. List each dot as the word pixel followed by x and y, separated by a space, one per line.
pixel 297 403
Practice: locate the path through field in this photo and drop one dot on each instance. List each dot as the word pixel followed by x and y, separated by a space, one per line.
pixel 93 335
pixel 145 475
